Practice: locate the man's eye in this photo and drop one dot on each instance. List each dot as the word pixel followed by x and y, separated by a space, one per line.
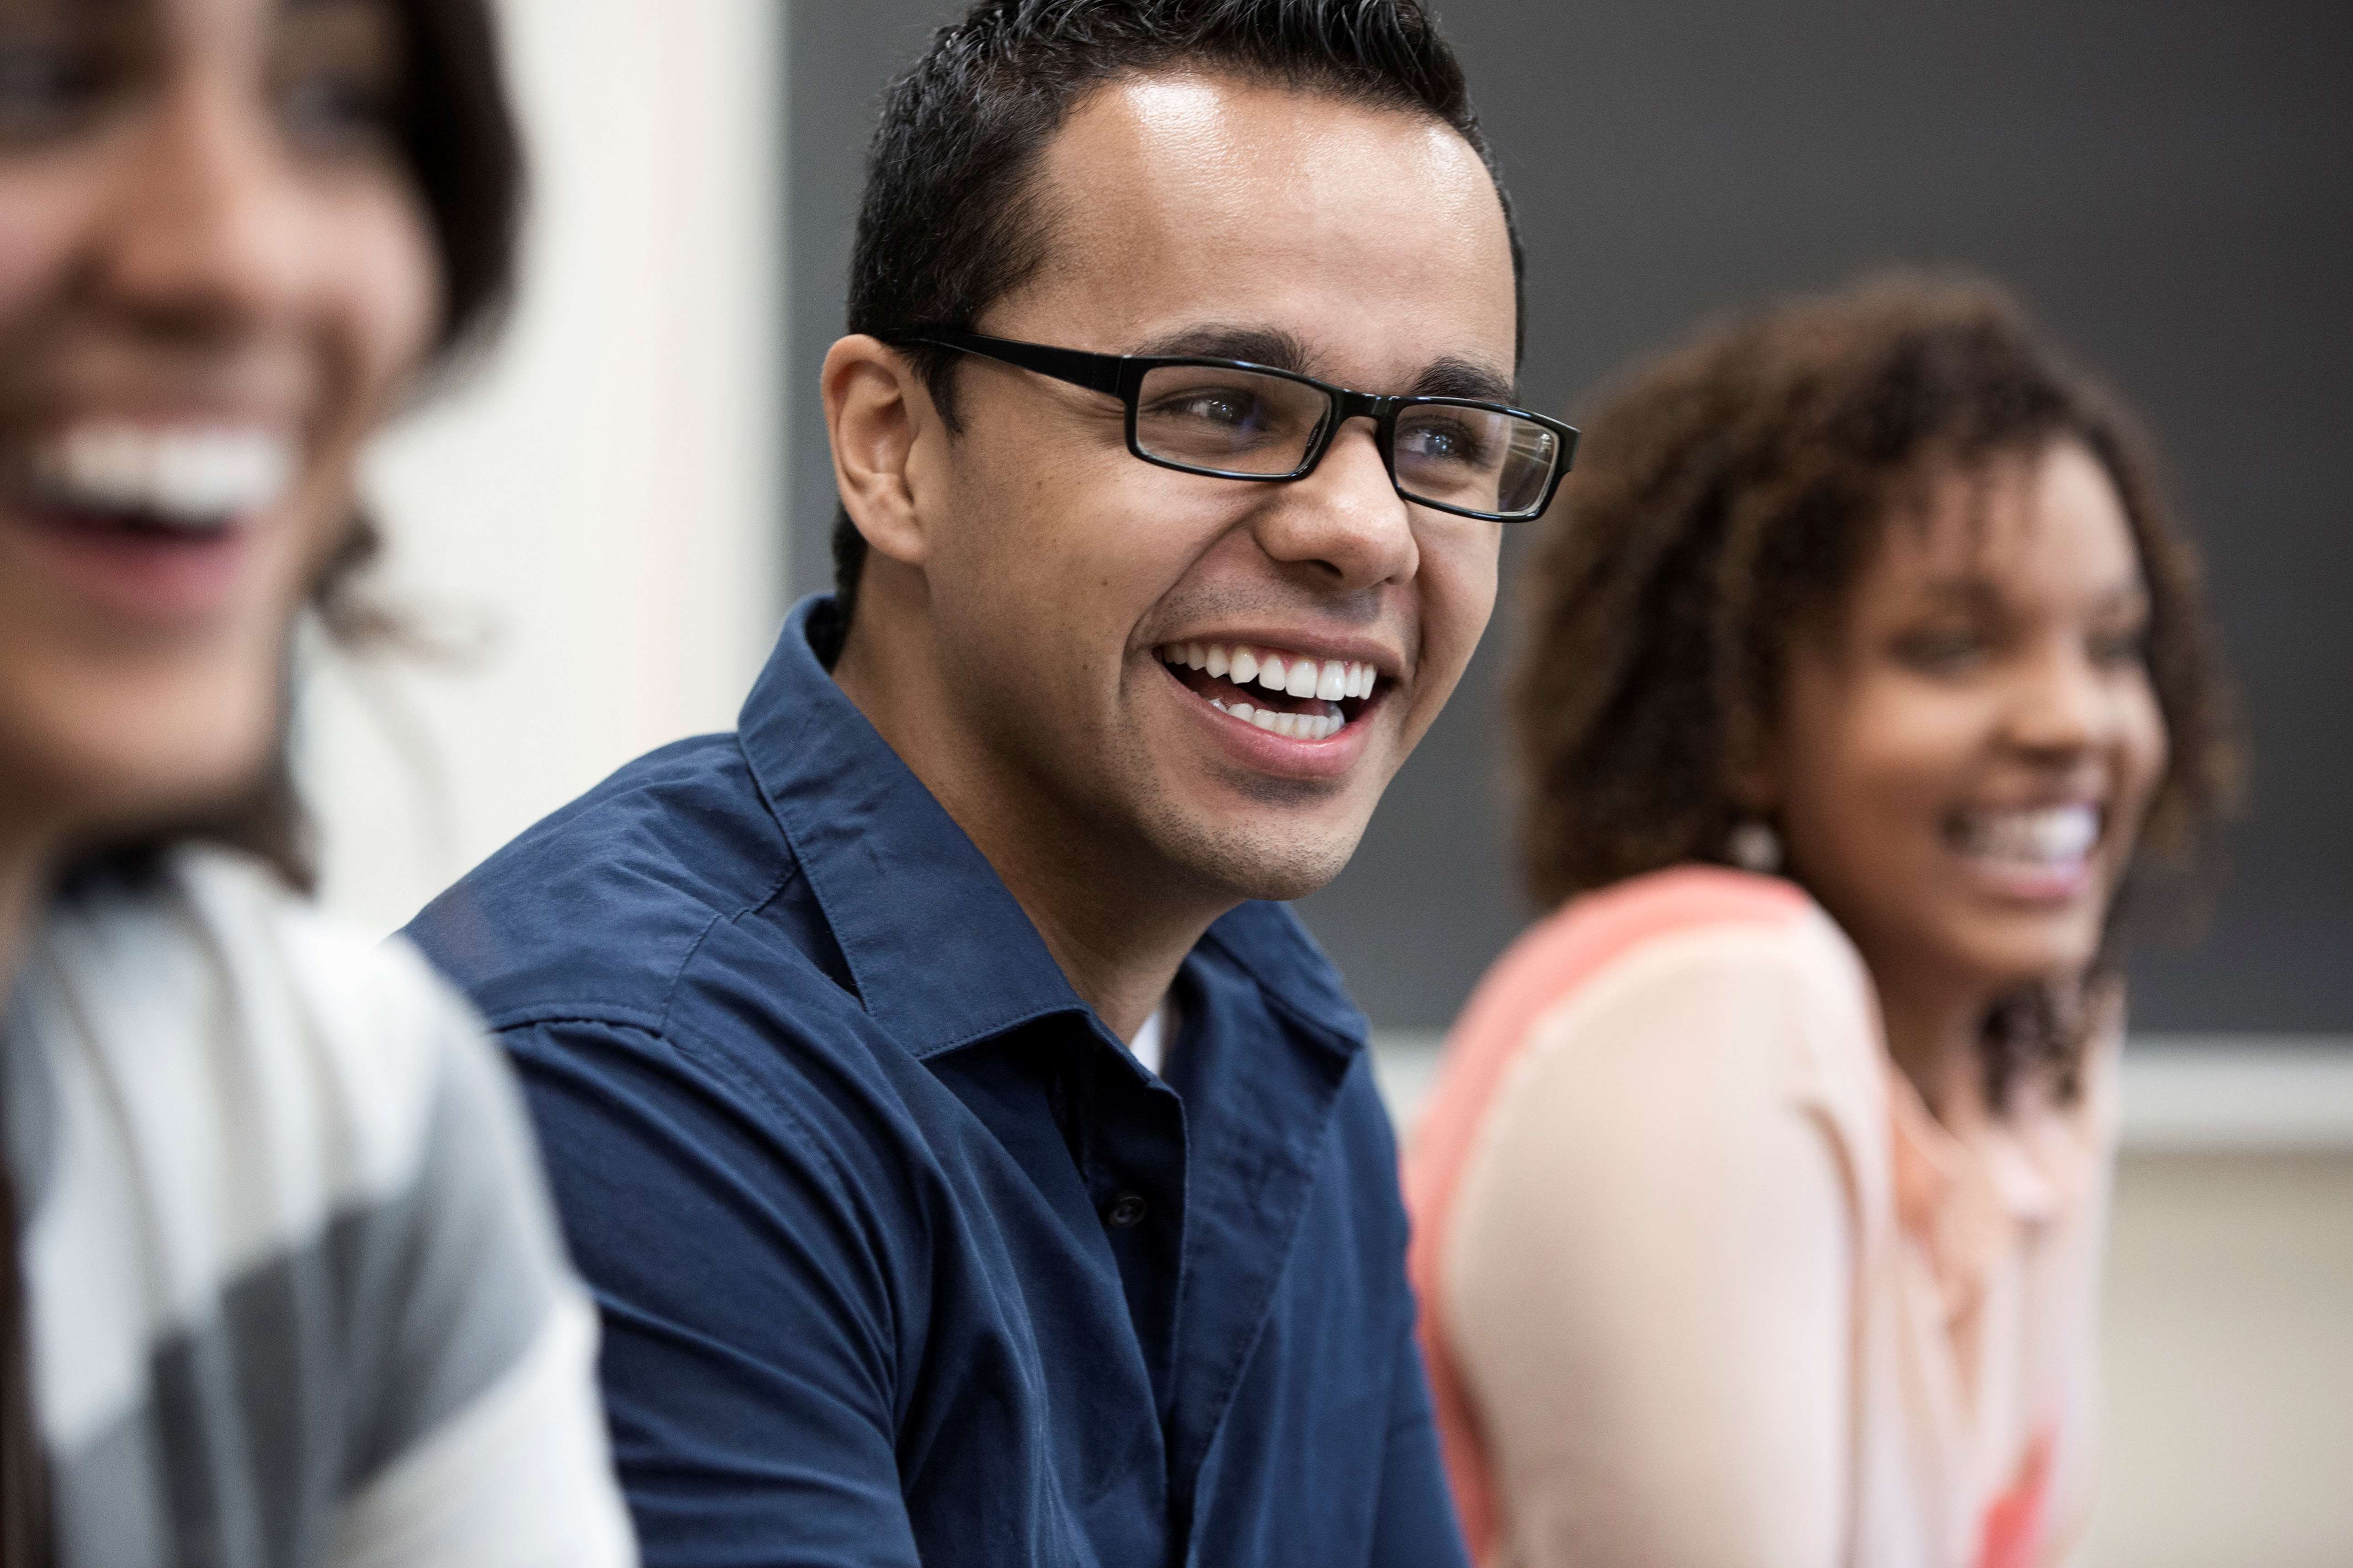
pixel 1441 443
pixel 1231 410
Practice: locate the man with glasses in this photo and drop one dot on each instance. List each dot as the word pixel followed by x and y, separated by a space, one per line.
pixel 973 1164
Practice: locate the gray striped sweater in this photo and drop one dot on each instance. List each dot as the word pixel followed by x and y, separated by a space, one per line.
pixel 293 1290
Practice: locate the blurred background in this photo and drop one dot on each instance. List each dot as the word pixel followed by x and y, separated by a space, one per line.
pixel 590 521
pixel 608 519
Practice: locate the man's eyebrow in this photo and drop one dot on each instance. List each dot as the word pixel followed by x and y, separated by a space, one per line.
pixel 1270 346
pixel 1261 345
pixel 1451 377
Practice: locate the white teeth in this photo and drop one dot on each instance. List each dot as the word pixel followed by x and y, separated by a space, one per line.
pixel 1293 675
pixel 2054 835
pixel 1299 726
pixel 194 475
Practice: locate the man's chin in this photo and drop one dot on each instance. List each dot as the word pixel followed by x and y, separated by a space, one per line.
pixel 1268 860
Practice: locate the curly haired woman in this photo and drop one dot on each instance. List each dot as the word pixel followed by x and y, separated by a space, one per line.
pixel 1761 1204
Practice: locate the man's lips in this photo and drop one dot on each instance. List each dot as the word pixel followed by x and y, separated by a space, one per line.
pixel 1272 733
pixel 1284 691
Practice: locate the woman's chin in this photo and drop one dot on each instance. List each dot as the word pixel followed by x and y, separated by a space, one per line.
pixel 102 769
pixel 2020 948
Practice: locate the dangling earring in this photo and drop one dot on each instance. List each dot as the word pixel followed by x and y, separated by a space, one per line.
pixel 1754 846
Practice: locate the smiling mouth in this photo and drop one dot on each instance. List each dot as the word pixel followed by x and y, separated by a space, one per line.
pixel 2055 838
pixel 1280 690
pixel 179 483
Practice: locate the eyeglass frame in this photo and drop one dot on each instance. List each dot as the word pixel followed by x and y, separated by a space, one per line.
pixel 1121 377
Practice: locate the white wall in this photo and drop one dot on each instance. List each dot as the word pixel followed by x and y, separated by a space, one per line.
pixel 2228 1344
pixel 599 502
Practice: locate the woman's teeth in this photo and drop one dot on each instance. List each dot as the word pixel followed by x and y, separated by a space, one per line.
pixel 2054 835
pixel 194 478
pixel 1291 674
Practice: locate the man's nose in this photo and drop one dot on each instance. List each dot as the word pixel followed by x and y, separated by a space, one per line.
pixel 1345 521
pixel 203 235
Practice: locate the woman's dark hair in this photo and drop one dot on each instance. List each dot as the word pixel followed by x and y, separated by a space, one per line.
pixel 457 137
pixel 950 223
pixel 1726 497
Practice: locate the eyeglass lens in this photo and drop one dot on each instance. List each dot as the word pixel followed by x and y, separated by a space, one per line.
pixel 1242 422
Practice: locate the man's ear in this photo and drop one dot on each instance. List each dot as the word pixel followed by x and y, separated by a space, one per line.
pixel 876 409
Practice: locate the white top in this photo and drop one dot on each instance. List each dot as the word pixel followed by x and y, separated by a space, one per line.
pixel 294 1293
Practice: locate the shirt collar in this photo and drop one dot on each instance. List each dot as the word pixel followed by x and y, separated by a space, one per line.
pixel 941 953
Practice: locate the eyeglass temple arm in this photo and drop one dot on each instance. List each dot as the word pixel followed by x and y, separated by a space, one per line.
pixel 1097 373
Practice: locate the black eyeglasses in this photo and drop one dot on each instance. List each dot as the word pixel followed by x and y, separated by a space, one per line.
pixel 1231 419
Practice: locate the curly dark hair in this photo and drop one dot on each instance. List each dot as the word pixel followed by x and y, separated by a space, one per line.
pixel 457 139
pixel 948 224
pixel 1727 496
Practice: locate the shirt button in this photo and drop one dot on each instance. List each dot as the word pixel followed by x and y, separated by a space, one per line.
pixel 1126 1211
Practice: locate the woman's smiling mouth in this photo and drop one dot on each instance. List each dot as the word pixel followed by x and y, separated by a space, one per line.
pixel 146 518
pixel 2041 853
pixel 191 478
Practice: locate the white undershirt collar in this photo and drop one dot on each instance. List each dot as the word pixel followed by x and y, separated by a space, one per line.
pixel 1150 1045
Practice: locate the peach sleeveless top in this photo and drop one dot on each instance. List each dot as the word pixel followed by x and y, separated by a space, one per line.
pixel 1704 1283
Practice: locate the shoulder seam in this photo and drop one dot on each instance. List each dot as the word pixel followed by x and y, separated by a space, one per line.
pixel 714 1060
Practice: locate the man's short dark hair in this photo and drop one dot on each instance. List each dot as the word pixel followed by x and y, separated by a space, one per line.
pixel 947 226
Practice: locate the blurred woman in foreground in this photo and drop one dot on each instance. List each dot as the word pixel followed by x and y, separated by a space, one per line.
pixel 282 1285
pixel 1759 1209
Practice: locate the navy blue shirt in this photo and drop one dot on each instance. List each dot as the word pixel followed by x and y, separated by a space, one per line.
pixel 901 1255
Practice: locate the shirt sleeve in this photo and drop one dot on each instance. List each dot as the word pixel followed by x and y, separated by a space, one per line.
pixel 1649 1278
pixel 749 1357
pixel 480 1442
pixel 1415 1527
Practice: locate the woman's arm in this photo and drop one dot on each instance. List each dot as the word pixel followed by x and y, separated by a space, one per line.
pixel 486 1442
pixel 1650 1278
